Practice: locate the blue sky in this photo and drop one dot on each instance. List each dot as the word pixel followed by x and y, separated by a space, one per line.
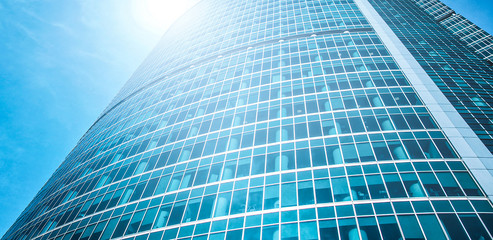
pixel 61 63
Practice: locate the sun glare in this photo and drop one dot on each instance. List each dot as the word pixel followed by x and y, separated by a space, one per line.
pixel 157 15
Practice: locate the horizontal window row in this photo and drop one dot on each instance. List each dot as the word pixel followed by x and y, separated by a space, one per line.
pixel 302 157
pixel 343 125
pixel 270 193
pixel 158 109
pixel 331 83
pixel 319 154
pixel 285 110
pixel 310 223
pixel 187 87
pixel 334 84
pixel 191 169
pixel 319 104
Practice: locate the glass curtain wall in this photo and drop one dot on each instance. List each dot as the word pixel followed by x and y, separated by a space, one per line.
pixel 263 120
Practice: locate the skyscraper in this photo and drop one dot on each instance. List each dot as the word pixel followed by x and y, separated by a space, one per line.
pixel 331 119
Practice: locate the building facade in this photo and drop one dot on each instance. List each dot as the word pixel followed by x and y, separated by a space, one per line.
pixel 291 119
pixel 475 37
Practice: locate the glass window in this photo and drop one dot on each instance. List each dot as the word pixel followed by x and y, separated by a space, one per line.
pixel 413 121
pixel 234 235
pixel 261 137
pixel 412 185
pixel 368 228
pixel 358 188
pixel 342 126
pixel 397 150
pixel 314 129
pixel 222 204
pixel 328 127
pixel 135 222
pixel 287 160
pixel 381 151
pixel 215 172
pixel 399 122
pixel 445 148
pixel 428 121
pixel 334 155
pixel 300 131
pixel 349 153
pixel 449 184
pixel 303 158
pixel 341 190
pixel 287 132
pixel 431 227
pixel 270 232
pixel 98 230
pixel 365 152
pixel 288 195
pixel 271 197
pixel 252 233
pixel 328 230
pixel 289 231
pixel 468 184
pixel 305 193
pixel 207 207
pixel 431 184
pixel 122 224
pixel 394 185
pixel 347 227
pixel 318 156
pixel 322 190
pixel 308 230
pixel 255 197
pixel 362 101
pixel 243 168
pixel 258 164
pixel 410 227
pixel 87 232
pixel 473 226
pixel 413 149
pixel 247 140
pixel 389 228
pixel 453 227
pixel 273 163
pixel 376 187
pixel 371 123
pixel 229 171
pixel 176 213
pixel 356 124
pixel 385 123
pixel 191 211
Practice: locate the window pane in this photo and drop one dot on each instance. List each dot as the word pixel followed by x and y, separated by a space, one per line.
pixel 410 227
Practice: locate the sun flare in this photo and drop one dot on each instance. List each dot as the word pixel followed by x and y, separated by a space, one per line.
pixel 157 15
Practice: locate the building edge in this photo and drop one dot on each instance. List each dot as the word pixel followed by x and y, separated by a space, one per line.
pixel 470 148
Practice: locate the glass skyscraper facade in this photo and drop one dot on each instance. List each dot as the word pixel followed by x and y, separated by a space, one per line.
pixel 476 38
pixel 290 119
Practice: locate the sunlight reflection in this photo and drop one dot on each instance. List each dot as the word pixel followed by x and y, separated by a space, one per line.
pixel 157 15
